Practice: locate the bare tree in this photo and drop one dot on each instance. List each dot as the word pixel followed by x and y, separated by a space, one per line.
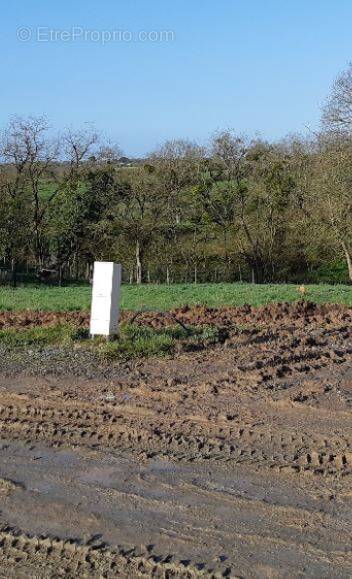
pixel 29 155
pixel 108 154
pixel 78 147
pixel 178 164
pixel 337 113
pixel 229 150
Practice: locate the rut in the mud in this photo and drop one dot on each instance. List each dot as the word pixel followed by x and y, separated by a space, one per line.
pixel 187 440
pixel 67 558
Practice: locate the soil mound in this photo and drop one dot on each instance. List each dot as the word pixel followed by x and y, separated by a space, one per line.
pixel 280 313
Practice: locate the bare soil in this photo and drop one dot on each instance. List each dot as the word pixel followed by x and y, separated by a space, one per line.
pixel 234 460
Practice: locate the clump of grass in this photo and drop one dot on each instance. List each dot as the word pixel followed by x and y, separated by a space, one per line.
pixel 7 486
pixel 136 342
pixel 133 341
pixel 63 334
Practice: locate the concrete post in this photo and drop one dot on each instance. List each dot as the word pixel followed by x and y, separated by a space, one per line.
pixel 104 316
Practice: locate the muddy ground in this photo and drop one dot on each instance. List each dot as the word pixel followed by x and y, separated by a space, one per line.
pixel 234 460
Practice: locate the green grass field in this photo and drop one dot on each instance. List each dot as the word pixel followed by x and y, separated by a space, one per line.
pixel 163 297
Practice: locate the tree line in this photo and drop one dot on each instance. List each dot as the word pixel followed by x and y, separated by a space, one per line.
pixel 238 209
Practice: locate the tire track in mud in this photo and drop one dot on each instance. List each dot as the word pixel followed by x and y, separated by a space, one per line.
pixel 70 558
pixel 258 445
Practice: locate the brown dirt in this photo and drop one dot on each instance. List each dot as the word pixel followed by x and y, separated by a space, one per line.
pixel 300 313
pixel 232 461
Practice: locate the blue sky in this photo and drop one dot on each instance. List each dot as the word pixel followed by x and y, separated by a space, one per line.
pixel 260 66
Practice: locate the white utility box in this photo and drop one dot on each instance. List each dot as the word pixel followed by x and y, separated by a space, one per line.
pixel 104 316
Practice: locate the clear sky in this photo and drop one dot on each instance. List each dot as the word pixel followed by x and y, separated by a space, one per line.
pixel 260 66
